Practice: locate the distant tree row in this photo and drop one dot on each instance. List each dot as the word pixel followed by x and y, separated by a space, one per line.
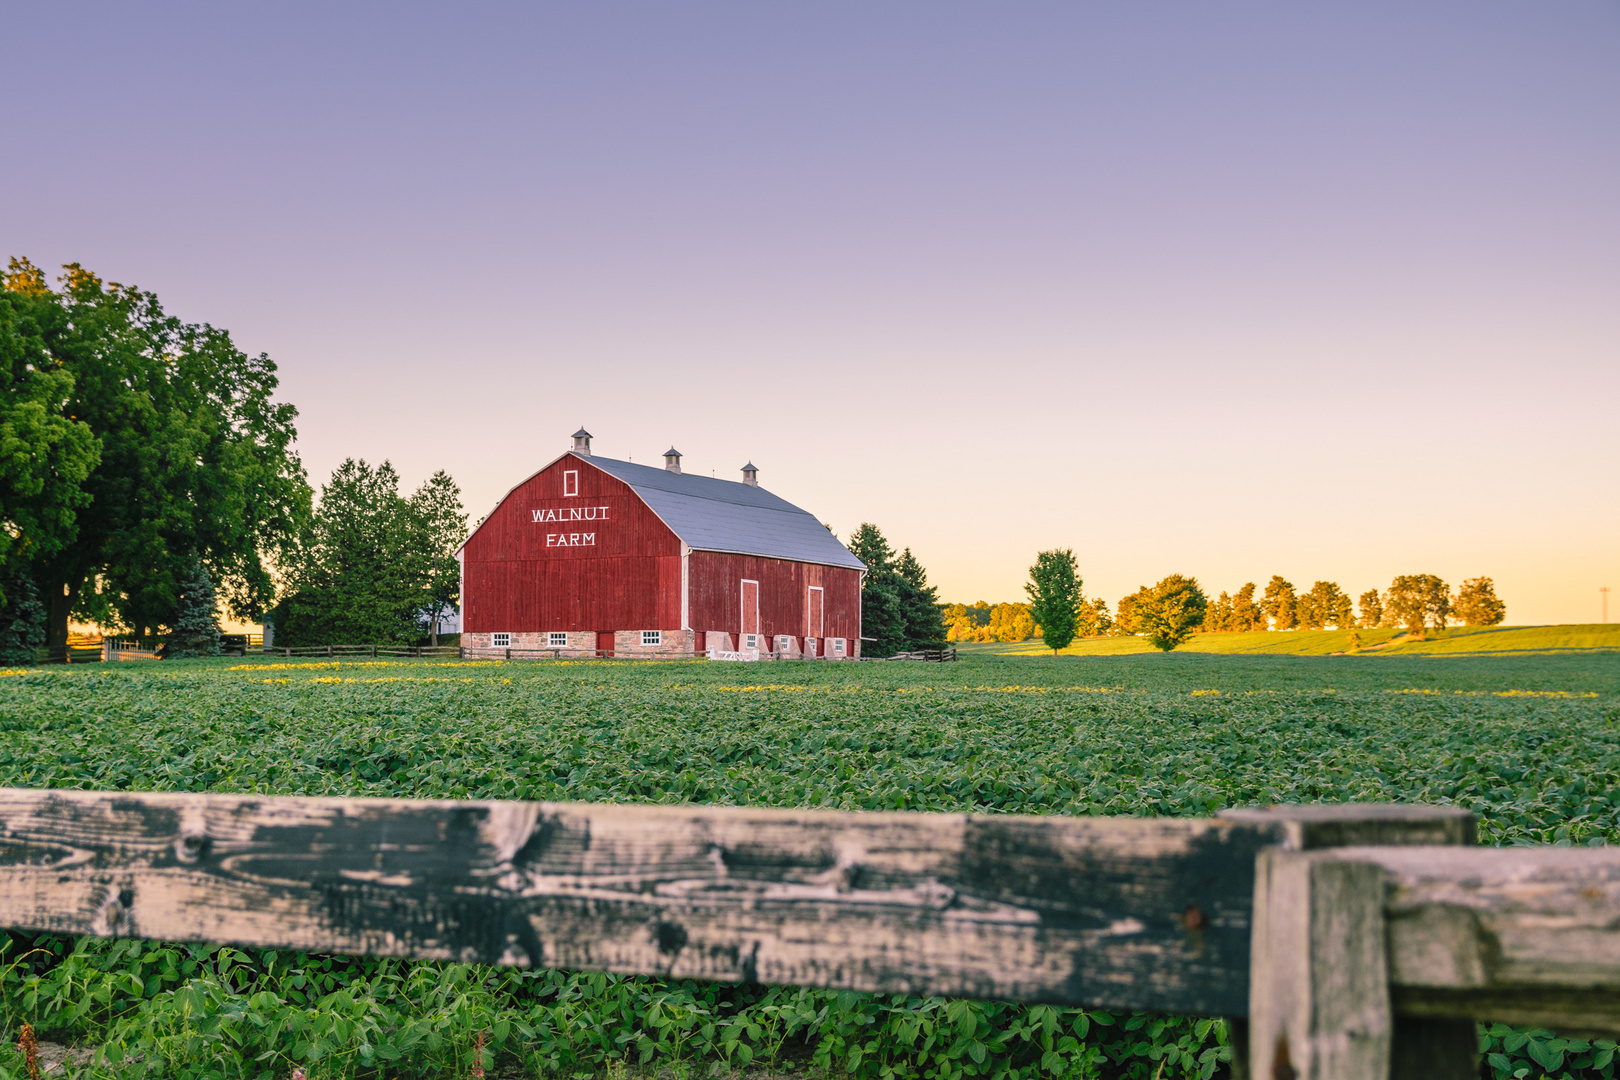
pixel 899 609
pixel 984 621
pixel 1412 601
pixel 1177 607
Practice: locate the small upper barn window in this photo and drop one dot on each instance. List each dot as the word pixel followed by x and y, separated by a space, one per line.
pixel 652 637
pixel 500 641
pixel 571 482
pixel 557 640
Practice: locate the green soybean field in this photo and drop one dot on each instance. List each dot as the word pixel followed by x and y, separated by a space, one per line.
pixel 1531 743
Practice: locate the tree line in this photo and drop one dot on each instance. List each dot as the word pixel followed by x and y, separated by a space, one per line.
pixel 1172 610
pixel 148 481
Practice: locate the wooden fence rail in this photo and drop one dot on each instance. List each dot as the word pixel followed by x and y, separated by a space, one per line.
pixel 1359 942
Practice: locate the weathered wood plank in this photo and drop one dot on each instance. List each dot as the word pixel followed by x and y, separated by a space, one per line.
pixel 1522 935
pixel 1319 1005
pixel 1313 827
pixel 1118 912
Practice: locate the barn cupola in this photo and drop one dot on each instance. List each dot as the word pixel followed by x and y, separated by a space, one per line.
pixel 750 475
pixel 672 460
pixel 582 443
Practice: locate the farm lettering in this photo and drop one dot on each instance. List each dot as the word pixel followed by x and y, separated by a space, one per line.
pixel 570 539
pixel 573 513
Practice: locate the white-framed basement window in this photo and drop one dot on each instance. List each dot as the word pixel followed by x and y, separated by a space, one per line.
pixel 500 641
pixel 750 641
pixel 652 637
pixel 782 641
pixel 838 646
pixel 557 640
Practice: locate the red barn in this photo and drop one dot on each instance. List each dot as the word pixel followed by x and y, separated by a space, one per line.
pixel 592 555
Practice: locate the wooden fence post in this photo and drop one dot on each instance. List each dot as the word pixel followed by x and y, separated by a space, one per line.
pixel 1319 1006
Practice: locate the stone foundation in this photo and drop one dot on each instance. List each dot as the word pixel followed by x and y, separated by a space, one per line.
pixel 628 643
pixel 581 643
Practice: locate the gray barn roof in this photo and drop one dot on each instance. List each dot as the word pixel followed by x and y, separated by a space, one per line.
pixel 725 515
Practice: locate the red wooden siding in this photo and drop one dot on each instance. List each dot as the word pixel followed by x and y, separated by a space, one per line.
pixel 628 579
pixel 716 597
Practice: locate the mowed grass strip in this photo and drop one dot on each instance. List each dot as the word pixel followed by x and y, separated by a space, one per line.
pixel 1380 642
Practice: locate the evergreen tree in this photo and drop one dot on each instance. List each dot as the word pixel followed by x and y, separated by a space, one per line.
pixel 194 629
pixel 1055 596
pixel 1477 605
pixel 883 621
pixel 22 621
pixel 1171 611
pixel 919 603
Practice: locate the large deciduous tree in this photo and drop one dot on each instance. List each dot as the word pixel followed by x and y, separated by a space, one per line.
pixel 195 457
pixel 1171 611
pixel 45 452
pixel 1417 601
pixel 1055 596
pixel 1476 603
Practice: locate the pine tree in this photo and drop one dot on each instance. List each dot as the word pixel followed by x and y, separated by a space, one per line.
pixel 919 603
pixel 22 622
pixel 195 630
pixel 1055 596
pixel 883 621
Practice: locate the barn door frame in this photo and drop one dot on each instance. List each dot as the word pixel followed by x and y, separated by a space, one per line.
pixel 815 627
pixel 742 635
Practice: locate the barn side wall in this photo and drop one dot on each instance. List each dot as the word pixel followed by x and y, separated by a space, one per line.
pixel 716 595
pixel 599 560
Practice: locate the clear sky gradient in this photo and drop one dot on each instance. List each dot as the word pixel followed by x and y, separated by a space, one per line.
pixel 1221 289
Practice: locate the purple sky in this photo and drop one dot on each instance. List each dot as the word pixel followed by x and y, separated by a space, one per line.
pixel 1229 290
